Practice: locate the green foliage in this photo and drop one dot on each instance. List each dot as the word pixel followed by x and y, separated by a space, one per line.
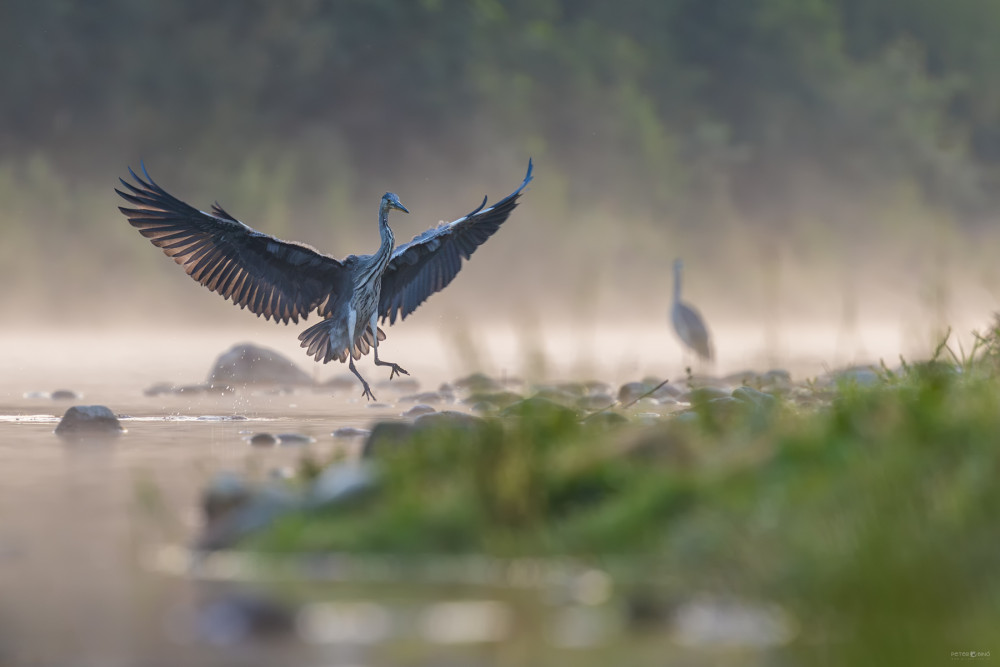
pixel 870 519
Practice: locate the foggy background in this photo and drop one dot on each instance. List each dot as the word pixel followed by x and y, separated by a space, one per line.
pixel 821 165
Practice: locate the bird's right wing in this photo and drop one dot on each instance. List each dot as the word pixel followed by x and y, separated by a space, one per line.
pixel 431 260
pixel 273 278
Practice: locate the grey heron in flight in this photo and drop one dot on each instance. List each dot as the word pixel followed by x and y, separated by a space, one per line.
pixel 284 281
pixel 688 324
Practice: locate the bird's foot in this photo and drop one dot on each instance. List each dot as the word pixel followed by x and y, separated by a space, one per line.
pixel 397 370
pixel 368 392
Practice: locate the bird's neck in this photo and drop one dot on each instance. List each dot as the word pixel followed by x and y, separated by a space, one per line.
pixel 677 285
pixel 385 232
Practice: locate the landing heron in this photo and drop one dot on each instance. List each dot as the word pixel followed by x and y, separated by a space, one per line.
pixel 687 321
pixel 284 281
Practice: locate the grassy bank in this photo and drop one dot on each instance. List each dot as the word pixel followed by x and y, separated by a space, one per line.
pixel 867 509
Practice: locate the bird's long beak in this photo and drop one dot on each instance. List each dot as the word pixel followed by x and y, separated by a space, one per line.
pixel 402 208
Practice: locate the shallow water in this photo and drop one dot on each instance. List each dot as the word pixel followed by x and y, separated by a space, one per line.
pixel 87 529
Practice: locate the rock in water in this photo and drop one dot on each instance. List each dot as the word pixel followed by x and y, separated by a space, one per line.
pixel 250 364
pixel 83 421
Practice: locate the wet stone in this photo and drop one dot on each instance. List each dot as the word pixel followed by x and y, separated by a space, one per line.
pixel 89 421
pixel 541 407
pixel 752 396
pixel 65 395
pixel 594 402
pixel 224 492
pixel 776 377
pixel 417 410
pixel 861 375
pixel 448 419
pixel 668 390
pixel 498 399
pixel 559 396
pixel 478 382
pixel 246 363
pixel 387 435
pixel 630 391
pixel 295 439
pixel 242 618
pixel 264 440
pixel 702 394
pixel 260 508
pixel 350 432
pixel 598 387
pixel 575 389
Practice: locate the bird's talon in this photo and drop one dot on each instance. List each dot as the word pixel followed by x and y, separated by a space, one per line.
pixel 397 370
pixel 367 392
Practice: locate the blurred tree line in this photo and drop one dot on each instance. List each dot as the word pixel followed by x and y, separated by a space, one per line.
pixel 660 115
pixel 764 105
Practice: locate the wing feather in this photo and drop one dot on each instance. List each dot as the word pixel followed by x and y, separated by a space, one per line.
pixel 278 279
pixel 431 260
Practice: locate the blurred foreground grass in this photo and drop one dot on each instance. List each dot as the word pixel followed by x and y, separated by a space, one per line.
pixel 867 511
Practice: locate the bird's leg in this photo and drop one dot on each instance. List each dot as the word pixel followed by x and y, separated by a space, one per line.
pixel 396 368
pixel 368 390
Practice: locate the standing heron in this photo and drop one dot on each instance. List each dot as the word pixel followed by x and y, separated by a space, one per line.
pixel 285 280
pixel 687 321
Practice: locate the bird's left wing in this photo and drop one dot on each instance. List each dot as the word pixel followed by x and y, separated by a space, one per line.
pixel 271 277
pixel 432 259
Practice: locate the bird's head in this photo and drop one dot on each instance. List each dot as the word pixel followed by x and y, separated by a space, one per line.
pixel 390 201
pixel 678 265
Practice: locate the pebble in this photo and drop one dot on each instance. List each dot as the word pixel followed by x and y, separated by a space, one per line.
pixel 754 397
pixel 498 399
pixel 259 509
pixel 630 391
pixel 264 440
pixel 241 618
pixel 447 419
pixel 65 395
pixel 538 406
pixel 478 382
pixel 224 492
pixel 703 394
pixel 295 439
pixel 350 432
pixel 418 409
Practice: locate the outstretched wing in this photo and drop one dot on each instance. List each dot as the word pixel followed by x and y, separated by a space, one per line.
pixel 273 278
pixel 432 259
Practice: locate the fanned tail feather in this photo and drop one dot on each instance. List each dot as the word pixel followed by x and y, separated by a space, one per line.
pixel 324 342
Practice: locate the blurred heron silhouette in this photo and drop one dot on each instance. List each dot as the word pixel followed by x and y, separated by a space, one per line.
pixel 284 281
pixel 687 321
